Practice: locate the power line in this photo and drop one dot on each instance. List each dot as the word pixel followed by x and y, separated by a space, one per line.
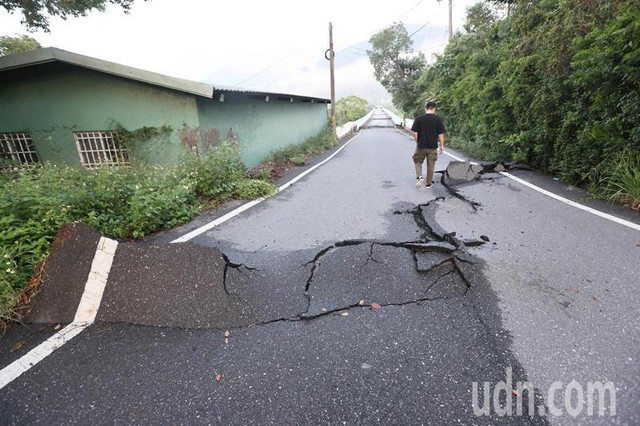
pixel 267 68
pixel 339 46
pixel 413 33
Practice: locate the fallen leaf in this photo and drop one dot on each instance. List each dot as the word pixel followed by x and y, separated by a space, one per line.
pixel 575 289
pixel 226 333
pixel 226 340
pixel 515 392
pixel 17 346
pixel 57 327
pixel 218 377
pixel 375 305
pixel 323 309
pixel 344 314
pixel 360 303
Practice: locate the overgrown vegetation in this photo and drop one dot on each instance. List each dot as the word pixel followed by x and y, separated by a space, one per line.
pixel 119 202
pixel 351 108
pixel 555 83
pixel 296 155
pixel 123 202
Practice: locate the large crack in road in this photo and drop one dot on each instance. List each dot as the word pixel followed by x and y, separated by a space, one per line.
pixel 433 278
pixel 191 286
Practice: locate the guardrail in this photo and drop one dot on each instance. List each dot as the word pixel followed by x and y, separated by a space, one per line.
pixel 405 123
pixel 353 126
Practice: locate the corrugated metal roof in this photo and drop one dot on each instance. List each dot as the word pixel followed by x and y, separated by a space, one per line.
pixel 52 54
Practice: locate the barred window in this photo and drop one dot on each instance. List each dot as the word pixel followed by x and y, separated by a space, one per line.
pixel 17 149
pixel 98 148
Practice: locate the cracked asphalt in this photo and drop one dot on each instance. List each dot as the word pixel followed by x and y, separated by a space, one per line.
pixel 351 297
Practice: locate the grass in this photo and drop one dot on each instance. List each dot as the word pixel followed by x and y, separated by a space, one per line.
pixel 125 203
pixel 296 155
pixel 119 202
pixel 618 179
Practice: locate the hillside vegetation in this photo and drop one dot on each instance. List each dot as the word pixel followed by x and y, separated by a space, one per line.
pixel 555 83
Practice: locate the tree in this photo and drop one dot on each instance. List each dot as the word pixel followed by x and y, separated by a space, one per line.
pixel 479 18
pixel 395 67
pixel 351 108
pixel 36 12
pixel 12 45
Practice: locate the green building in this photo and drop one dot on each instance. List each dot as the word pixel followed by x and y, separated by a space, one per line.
pixel 64 108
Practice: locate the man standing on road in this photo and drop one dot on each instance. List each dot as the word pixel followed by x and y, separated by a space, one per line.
pixel 427 130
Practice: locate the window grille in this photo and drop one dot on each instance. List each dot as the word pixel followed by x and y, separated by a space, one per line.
pixel 17 148
pixel 98 148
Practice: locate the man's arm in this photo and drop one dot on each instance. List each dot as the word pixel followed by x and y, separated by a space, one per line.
pixel 415 136
pixel 441 136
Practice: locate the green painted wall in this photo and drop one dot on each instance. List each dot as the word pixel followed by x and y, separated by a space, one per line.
pixel 262 127
pixel 51 101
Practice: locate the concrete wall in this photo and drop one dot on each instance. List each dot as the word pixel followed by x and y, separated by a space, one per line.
pixel 51 101
pixel 262 127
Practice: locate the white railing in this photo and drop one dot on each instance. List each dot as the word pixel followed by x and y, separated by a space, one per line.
pixel 352 126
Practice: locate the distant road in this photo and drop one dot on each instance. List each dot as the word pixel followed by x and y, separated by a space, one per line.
pixel 346 298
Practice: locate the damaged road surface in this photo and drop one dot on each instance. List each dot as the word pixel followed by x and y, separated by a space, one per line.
pixel 351 297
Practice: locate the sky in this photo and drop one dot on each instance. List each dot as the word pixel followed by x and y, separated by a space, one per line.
pixel 273 46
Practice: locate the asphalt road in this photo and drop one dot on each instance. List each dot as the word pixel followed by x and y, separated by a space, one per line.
pixel 347 299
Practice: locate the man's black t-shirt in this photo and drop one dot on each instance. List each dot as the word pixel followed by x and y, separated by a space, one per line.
pixel 428 127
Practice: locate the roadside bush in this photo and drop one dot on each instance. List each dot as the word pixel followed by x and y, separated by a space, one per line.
pixel 215 174
pixel 312 146
pixel 118 202
pixel 618 179
pixel 555 83
pixel 252 189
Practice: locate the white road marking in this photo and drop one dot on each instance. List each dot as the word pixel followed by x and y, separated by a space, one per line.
pixel 85 315
pixel 97 281
pixel 562 199
pixel 247 206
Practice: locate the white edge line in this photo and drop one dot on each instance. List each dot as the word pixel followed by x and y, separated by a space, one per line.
pixel 559 198
pixel 562 199
pixel 573 203
pixel 85 315
pixel 247 206
pixel 40 352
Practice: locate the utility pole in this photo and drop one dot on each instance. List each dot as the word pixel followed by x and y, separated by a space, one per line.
pixel 333 82
pixel 450 19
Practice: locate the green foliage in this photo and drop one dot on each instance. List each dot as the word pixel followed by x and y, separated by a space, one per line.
pixel 394 65
pixel 249 189
pixel 216 173
pixel 619 179
pixel 130 138
pixel 351 108
pixel 556 83
pixel 35 13
pixel 118 202
pixel 18 44
pixel 312 146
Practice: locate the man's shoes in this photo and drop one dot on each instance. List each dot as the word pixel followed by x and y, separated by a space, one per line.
pixel 419 182
pixel 429 185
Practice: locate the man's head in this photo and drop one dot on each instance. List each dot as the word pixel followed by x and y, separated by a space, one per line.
pixel 430 106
